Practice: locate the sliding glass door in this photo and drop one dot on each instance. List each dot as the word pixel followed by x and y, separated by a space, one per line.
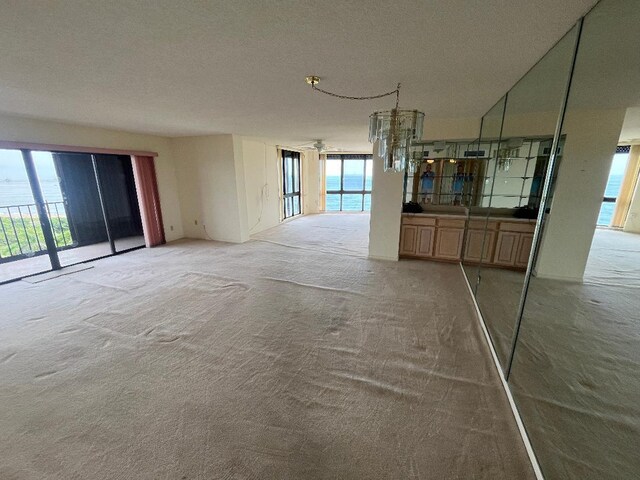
pixel 59 209
pixel 23 249
pixel 291 198
pixel 84 216
pixel 118 192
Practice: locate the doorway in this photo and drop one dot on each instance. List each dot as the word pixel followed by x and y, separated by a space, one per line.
pixel 59 209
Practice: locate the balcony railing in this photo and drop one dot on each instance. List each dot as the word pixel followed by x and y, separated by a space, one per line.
pixel 21 233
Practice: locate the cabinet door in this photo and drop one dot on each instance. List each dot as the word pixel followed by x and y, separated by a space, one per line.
pixel 506 248
pixel 524 248
pixel 475 241
pixel 408 237
pixel 425 241
pixel 449 243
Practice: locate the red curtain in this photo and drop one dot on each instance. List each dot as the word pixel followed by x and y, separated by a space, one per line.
pixel 145 176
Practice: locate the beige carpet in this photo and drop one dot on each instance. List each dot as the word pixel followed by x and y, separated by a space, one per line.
pixel 267 360
pixel 576 371
pixel 339 233
pixel 498 297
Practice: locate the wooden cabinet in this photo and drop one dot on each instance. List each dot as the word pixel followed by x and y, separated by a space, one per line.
pixel 476 242
pixel 524 249
pixel 513 248
pixel 449 243
pixel 506 248
pixel 425 241
pixel 408 237
pixel 505 242
pixel 417 240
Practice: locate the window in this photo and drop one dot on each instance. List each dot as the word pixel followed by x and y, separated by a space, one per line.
pixel 291 200
pixel 348 183
pixel 616 174
pixel 62 208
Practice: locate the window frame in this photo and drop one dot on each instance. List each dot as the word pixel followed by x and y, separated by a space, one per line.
pixel 289 179
pixel 349 157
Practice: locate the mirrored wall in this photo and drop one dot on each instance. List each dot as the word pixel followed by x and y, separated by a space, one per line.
pixel 560 295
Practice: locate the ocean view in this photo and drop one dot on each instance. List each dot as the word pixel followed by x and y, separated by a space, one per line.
pixel 350 202
pixel 606 211
pixel 18 192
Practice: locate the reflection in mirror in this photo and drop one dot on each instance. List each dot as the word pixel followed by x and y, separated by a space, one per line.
pixel 575 372
pixel 477 247
pixel 445 174
pixel 514 189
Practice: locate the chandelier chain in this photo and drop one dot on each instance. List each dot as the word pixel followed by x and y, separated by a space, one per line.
pixel 395 92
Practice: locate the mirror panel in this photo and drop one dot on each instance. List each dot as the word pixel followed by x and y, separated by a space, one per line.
pixel 477 248
pixel 518 164
pixel 575 367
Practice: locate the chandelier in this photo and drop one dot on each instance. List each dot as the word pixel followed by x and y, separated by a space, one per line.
pixel 509 153
pixel 394 129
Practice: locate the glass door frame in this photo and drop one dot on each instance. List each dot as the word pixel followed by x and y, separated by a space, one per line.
pixel 44 218
pixel 289 177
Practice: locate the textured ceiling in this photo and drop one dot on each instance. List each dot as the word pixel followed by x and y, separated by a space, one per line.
pixel 200 67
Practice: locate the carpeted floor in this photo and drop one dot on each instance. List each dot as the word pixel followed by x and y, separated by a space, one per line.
pixel 266 360
pixel 575 375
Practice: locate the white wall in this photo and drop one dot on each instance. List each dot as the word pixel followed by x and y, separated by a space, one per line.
pixel 310 182
pixel 262 177
pixel 591 139
pixel 451 128
pixel 19 129
pixel 632 225
pixel 211 184
pixel 386 211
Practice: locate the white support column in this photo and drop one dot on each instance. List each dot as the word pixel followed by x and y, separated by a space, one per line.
pixel 386 211
pixel 591 140
pixel 310 182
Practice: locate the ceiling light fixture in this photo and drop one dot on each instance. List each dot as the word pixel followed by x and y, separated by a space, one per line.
pixel 394 129
pixel 320 146
pixel 509 153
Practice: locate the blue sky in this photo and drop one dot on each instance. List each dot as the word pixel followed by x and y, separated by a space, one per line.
pixel 12 167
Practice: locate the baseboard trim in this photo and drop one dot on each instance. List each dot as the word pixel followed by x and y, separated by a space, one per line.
pixel 380 257
pixel 514 409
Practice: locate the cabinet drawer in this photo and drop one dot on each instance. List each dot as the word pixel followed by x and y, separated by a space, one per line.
pixel 480 224
pixel 450 223
pixel 517 227
pixel 418 221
